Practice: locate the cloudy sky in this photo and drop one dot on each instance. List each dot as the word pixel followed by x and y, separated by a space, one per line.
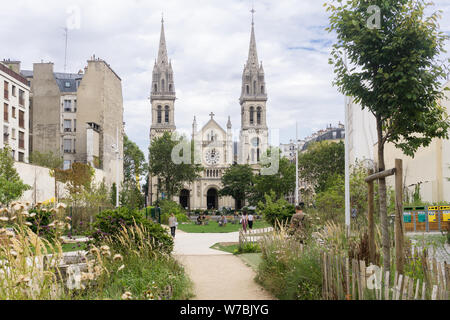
pixel 208 43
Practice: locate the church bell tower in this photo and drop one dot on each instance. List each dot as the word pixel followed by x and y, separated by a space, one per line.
pixel 254 130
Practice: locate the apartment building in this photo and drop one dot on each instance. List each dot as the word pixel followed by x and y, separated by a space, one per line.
pixel 78 115
pixel 14 100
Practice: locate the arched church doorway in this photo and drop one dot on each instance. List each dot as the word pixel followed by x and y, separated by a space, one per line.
pixel 184 198
pixel 212 199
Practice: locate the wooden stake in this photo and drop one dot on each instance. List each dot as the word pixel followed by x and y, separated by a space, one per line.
pixel 371 226
pixel 399 238
pixel 387 281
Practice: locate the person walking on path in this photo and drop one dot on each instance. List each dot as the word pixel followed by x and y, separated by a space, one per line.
pixel 250 221
pixel 244 221
pixel 297 221
pixel 173 224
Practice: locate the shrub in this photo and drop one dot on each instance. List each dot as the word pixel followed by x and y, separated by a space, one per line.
pixel 40 223
pixel 109 223
pixel 272 211
pixel 249 248
pixel 290 270
pixel 169 206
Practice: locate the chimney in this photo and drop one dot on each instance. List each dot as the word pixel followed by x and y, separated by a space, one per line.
pixel 13 65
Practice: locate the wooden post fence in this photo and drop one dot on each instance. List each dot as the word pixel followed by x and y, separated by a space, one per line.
pixel 399 238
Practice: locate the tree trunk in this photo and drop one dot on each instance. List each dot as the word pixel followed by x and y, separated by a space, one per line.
pixel 385 242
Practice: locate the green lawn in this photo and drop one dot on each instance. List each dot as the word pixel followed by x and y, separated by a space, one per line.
pixel 69 247
pixel 230 248
pixel 213 227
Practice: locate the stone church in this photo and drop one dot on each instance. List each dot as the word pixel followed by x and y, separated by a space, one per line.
pixel 214 143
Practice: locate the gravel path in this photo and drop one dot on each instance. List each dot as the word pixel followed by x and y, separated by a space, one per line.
pixel 216 275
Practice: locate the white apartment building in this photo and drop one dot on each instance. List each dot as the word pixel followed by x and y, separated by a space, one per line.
pixel 15 102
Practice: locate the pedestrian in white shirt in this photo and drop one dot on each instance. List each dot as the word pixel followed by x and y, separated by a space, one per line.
pixel 250 221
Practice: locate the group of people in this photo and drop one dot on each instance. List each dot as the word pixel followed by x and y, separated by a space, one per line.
pixel 296 225
pixel 247 220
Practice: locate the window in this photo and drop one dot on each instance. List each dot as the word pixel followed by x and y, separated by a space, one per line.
pixel 252 115
pixel 257 154
pixel 21 97
pixel 162 85
pixel 67 84
pixel 6 90
pixel 155 88
pixel 254 87
pixel 74 105
pixel 159 114
pixel 21 140
pixel 21 157
pixel 5 112
pixel 262 89
pixel 248 89
pixel 21 119
pixel 170 88
pixel 67 164
pixel 13 112
pixel 166 117
pixel 67 125
pixel 5 134
pixel 13 91
pixel 258 116
pixel 67 105
pixel 67 146
pixel 13 134
pixel 74 125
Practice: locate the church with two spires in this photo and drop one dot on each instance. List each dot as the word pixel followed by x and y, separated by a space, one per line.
pixel 214 144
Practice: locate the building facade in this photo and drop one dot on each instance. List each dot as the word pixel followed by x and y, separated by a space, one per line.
pixel 15 102
pixel 78 116
pixel 215 146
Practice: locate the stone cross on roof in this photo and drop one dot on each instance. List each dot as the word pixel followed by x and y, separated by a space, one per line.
pixel 212 115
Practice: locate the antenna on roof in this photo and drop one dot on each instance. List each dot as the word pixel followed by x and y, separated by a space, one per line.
pixel 66 33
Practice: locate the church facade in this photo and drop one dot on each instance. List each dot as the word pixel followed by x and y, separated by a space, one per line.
pixel 215 145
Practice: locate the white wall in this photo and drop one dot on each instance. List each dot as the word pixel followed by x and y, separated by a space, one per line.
pixel 42 185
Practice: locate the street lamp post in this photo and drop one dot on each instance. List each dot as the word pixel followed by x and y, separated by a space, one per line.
pixel 296 164
pixel 115 147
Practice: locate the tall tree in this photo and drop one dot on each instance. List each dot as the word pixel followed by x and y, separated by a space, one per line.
pixel 134 164
pixel 237 182
pixel 281 183
pixel 11 186
pixel 172 175
pixel 394 73
pixel 51 161
pixel 321 160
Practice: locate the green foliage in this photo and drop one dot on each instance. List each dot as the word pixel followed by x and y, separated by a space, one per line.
pixel 109 223
pixel 78 180
pixel 248 248
pixel 237 182
pixel 130 196
pixel 40 223
pixel 113 194
pixel 282 183
pixel 48 160
pixel 289 271
pixel 321 160
pixel 96 196
pixel 276 210
pixel 331 201
pixel 134 164
pixel 169 206
pixel 11 186
pixel 393 70
pixel 172 175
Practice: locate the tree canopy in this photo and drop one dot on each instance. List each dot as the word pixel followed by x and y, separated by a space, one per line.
pixel 394 72
pixel 11 186
pixel 237 182
pixel 320 161
pixel 172 175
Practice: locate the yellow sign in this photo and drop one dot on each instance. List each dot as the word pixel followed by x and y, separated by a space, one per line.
pixel 446 215
pixel 433 208
pixel 432 217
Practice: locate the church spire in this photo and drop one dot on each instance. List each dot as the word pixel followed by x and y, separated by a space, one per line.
pixel 253 53
pixel 162 53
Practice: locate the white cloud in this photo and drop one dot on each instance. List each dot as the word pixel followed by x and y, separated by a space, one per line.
pixel 208 43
